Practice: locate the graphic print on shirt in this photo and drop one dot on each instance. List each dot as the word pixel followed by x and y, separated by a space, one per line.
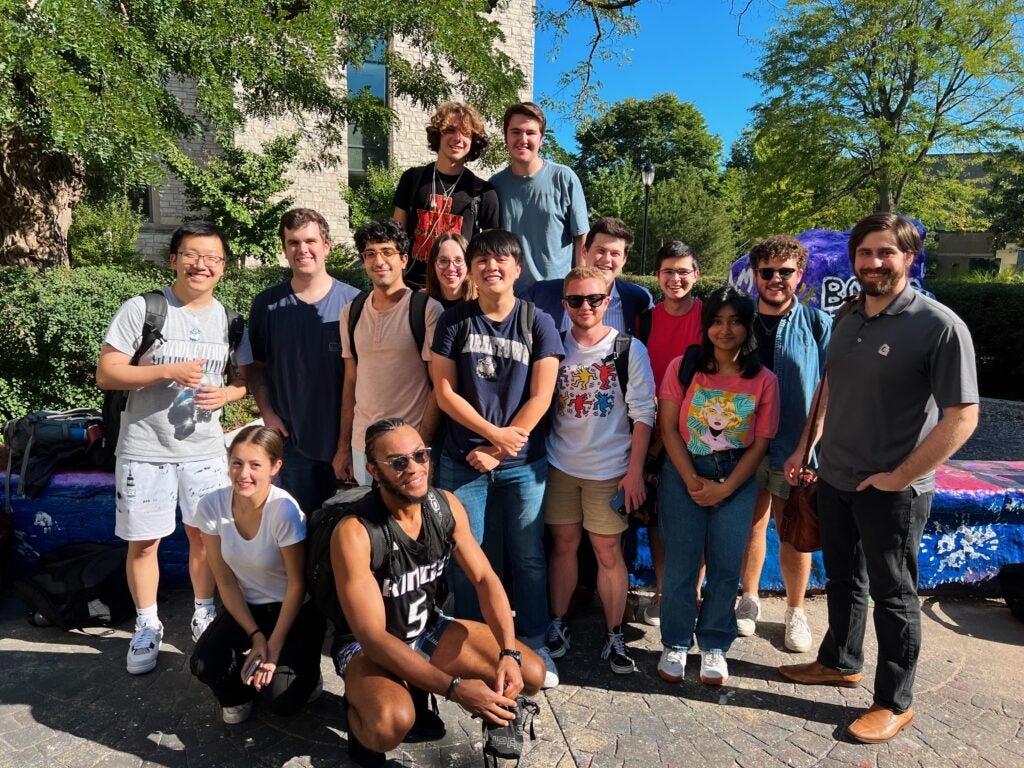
pixel 182 414
pixel 587 389
pixel 433 223
pixel 718 420
pixel 494 349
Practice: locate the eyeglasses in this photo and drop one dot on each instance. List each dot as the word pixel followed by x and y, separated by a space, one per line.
pixel 593 299
pixel 767 273
pixel 446 263
pixel 387 253
pixel 670 273
pixel 189 258
pixel 400 464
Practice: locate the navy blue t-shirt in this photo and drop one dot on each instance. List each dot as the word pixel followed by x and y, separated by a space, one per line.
pixel 493 370
pixel 300 345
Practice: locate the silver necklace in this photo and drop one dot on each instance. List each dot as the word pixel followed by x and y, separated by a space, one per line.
pixel 445 191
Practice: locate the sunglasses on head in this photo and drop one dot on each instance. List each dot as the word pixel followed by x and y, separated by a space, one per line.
pixel 593 299
pixel 767 273
pixel 401 463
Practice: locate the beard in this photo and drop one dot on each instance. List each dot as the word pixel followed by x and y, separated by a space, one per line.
pixel 881 284
pixel 394 489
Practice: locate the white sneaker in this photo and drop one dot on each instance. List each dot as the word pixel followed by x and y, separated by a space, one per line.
pixel 201 619
pixel 551 673
pixel 798 631
pixel 713 668
pixel 236 715
pixel 748 608
pixel 672 665
pixel 651 613
pixel 144 648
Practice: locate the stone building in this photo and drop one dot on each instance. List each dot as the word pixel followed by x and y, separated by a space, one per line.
pixel 165 205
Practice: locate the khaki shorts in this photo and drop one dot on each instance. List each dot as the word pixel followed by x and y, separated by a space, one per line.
pixel 772 479
pixel 149 493
pixel 571 500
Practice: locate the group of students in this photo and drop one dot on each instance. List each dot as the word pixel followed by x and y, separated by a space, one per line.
pixel 561 403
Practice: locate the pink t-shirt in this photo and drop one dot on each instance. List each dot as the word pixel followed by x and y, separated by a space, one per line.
pixel 670 336
pixel 719 413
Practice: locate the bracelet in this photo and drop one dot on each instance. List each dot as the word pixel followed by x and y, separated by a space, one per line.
pixel 451 688
pixel 254 632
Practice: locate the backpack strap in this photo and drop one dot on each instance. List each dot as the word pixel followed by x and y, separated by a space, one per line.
pixel 153 324
pixel 462 310
pixel 355 310
pixel 644 323
pixel 527 315
pixel 688 366
pixel 418 318
pixel 621 352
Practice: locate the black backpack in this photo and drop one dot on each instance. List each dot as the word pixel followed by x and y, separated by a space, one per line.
pixel 115 400
pixel 366 503
pixel 526 317
pixel 78 585
pixel 417 319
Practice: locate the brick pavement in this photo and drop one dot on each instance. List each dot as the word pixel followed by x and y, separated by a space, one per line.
pixel 65 700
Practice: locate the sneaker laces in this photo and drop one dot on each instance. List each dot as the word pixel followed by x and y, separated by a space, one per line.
pixel 675 655
pixel 714 658
pixel 616 644
pixel 798 620
pixel 144 638
pixel 555 631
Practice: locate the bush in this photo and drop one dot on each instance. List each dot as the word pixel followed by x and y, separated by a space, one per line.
pixel 105 233
pixel 52 325
pixel 991 311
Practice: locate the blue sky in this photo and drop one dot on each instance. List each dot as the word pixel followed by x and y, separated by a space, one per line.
pixel 687 47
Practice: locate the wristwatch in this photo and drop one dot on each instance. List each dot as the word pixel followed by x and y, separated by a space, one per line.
pixel 513 653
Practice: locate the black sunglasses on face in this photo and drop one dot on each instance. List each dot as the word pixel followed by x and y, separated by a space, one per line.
pixel 593 299
pixel 767 273
pixel 401 463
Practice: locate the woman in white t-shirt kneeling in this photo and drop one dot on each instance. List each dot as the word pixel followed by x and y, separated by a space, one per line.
pixel 254 534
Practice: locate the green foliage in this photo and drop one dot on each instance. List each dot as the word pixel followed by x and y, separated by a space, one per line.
pixel 860 91
pixel 241 191
pixel 105 233
pixel 617 191
pixel 373 198
pixel 54 321
pixel 1005 204
pixel 671 134
pixel 991 311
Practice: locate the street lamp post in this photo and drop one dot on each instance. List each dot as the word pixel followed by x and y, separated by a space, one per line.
pixel 647 174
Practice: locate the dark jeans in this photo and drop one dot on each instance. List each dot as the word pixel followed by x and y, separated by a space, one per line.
pixel 311 482
pixel 869 542
pixel 219 656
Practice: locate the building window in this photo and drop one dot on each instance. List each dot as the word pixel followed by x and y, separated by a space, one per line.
pixel 141 199
pixel 365 146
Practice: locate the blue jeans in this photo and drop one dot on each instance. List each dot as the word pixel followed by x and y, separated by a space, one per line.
pixel 311 482
pixel 719 535
pixel 504 507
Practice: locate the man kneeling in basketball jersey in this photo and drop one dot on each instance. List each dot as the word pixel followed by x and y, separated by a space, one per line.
pixel 389 561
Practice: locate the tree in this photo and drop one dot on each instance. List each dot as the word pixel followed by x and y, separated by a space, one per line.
pixel 671 134
pixel 242 192
pixel 1005 203
pixel 91 90
pixel 858 92
pixel 374 198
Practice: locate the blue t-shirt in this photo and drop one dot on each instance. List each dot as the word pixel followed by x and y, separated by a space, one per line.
pixel 547 210
pixel 300 346
pixel 493 370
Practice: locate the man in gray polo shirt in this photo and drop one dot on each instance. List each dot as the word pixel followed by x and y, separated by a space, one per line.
pixel 893 362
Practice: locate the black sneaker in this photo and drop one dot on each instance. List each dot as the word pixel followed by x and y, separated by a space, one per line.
pixel 558 639
pixel 615 653
pixel 428 725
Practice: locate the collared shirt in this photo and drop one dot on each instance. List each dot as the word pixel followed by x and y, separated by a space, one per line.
pixel 888 376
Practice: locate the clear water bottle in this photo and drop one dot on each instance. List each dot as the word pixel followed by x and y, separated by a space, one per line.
pixel 201 414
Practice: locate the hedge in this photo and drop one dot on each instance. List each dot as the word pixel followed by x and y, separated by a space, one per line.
pixel 52 325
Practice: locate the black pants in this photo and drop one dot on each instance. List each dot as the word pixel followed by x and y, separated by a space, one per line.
pixel 219 655
pixel 869 542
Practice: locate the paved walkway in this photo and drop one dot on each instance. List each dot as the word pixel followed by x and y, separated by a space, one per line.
pixel 65 700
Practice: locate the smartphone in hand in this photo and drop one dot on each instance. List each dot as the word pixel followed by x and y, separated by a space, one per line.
pixel 251 665
pixel 618 503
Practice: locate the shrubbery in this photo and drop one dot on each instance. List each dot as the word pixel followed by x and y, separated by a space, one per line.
pixel 52 325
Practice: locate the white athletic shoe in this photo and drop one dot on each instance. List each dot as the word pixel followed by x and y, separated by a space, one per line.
pixel 236 715
pixel 201 619
pixel 798 630
pixel 672 665
pixel 144 648
pixel 713 668
pixel 551 673
pixel 748 608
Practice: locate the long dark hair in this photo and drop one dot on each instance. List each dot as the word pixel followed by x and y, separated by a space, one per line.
pixel 749 362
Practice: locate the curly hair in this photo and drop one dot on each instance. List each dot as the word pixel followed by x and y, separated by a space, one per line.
pixel 778 248
pixel 472 124
pixel 388 231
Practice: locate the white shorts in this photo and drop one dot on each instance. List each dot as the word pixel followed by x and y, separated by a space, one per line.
pixel 362 477
pixel 148 493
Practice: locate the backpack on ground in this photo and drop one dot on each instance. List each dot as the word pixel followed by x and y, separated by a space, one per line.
pixel 115 400
pixel 45 440
pixel 417 319
pixel 506 741
pixel 78 585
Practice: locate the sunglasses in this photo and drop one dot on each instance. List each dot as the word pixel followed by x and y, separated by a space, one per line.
pixel 400 464
pixel 767 273
pixel 593 299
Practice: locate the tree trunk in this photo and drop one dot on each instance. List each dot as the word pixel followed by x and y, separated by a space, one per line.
pixel 37 190
pixel 886 202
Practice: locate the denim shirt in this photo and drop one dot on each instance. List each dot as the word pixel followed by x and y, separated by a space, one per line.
pixel 800 343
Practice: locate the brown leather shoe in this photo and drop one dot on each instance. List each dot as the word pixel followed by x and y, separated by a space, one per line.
pixel 816 673
pixel 879 724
